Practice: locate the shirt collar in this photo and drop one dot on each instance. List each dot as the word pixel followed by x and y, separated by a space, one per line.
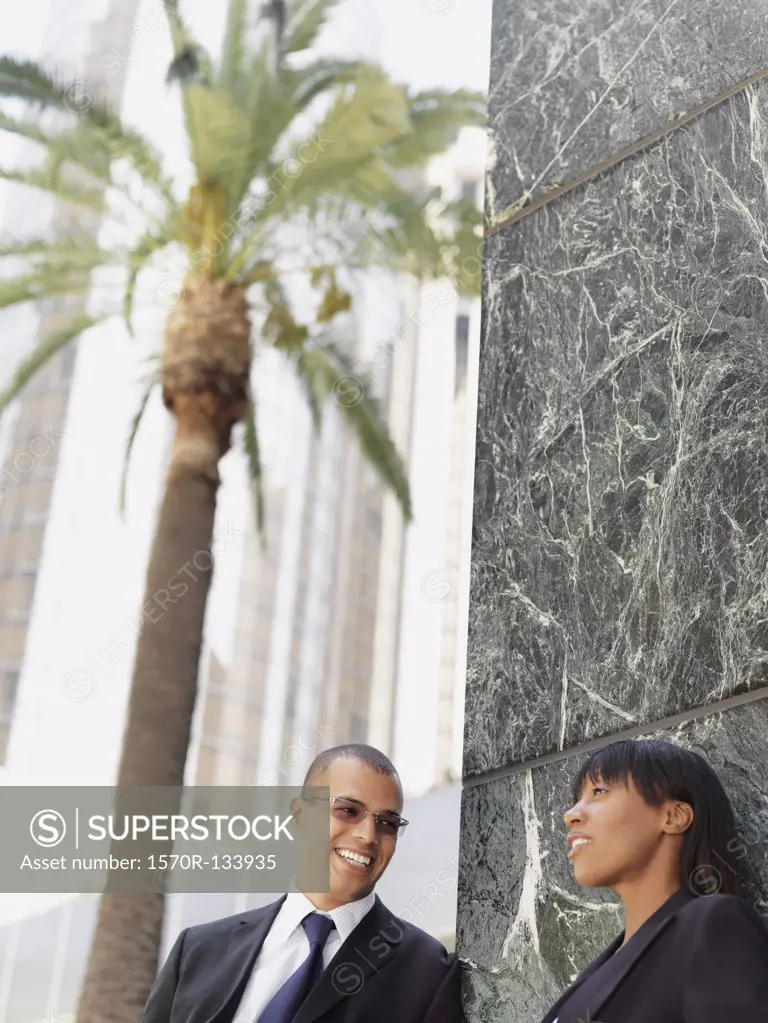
pixel 346 917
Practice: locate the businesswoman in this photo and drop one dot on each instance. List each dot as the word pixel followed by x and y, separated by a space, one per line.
pixel 651 822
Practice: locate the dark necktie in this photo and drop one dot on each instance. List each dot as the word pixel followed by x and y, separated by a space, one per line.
pixel 286 1002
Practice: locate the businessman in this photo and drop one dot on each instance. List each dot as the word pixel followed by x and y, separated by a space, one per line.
pixel 332 957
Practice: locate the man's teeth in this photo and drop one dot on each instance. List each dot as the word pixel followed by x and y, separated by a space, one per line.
pixel 579 841
pixel 354 857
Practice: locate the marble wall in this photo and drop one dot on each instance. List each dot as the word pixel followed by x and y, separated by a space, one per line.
pixel 620 547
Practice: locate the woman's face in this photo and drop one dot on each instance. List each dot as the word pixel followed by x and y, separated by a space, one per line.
pixel 614 836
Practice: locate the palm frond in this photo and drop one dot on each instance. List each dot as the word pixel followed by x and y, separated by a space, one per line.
pixel 51 181
pixel 436 118
pixel 339 158
pixel 320 76
pixel 269 108
pixel 26 80
pixel 253 456
pixel 83 148
pixel 191 62
pixel 151 381
pixel 190 65
pixel 328 371
pixel 216 127
pixel 305 20
pixel 431 238
pixel 234 56
pixel 218 133
pixel 462 245
pixel 46 283
pixel 75 146
pixel 59 251
pixel 273 104
pixel 48 347
pixel 138 258
pixel 280 327
pixel 416 232
pixel 314 388
pixel 271 101
pixel 367 115
pixel 50 267
pixel 407 233
pixel 391 229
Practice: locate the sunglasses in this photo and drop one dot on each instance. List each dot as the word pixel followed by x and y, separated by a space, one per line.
pixel 353 813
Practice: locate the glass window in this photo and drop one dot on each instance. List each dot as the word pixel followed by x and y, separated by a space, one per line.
pixel 67 363
pixel 212 714
pixel 13 639
pixel 462 344
pixel 206 766
pixel 9 683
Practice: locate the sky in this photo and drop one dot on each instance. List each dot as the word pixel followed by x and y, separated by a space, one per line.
pixel 431 42
pixel 427 42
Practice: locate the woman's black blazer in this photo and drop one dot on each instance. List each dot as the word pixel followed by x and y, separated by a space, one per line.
pixel 696 960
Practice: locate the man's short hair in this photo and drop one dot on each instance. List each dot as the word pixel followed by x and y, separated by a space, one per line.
pixel 352 751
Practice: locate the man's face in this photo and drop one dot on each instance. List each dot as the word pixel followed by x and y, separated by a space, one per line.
pixel 361 851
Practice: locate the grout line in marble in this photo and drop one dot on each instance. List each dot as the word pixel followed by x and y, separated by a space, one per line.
pixel 520 213
pixel 705 710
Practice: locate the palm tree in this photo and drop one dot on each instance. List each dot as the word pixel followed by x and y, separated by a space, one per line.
pixel 283 145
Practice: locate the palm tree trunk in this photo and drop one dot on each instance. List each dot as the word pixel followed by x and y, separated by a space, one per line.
pixel 124 953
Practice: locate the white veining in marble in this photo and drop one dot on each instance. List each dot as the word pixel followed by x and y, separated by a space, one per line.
pixel 524 926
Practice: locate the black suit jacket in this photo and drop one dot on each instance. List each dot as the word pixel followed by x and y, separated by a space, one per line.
pixel 387 971
pixel 696 960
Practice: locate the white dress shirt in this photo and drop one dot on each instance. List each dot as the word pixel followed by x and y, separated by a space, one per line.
pixel 286 946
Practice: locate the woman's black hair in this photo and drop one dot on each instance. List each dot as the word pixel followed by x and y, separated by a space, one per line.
pixel 660 771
